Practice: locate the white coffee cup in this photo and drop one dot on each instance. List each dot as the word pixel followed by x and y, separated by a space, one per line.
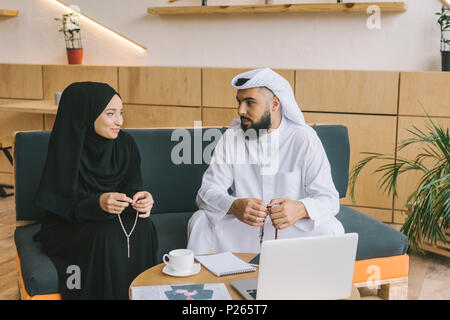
pixel 180 259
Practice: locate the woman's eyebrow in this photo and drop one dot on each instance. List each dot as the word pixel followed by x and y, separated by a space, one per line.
pixel 113 109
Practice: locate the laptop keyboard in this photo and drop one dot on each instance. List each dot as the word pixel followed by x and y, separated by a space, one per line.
pixel 252 293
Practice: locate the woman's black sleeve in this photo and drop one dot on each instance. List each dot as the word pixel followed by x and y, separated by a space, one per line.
pixel 89 210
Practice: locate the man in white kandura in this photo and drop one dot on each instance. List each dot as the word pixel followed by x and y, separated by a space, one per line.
pixel 277 171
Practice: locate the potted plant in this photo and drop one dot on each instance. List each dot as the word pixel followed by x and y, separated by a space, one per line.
pixel 71 30
pixel 444 22
pixel 429 204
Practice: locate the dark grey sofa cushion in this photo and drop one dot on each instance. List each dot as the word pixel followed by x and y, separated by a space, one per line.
pixel 336 143
pixel 30 153
pixel 38 271
pixel 376 239
pixel 171 230
pixel 173 186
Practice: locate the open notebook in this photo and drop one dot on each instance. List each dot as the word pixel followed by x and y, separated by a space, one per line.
pixel 226 263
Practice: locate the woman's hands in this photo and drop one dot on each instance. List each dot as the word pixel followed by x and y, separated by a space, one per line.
pixel 143 202
pixel 115 203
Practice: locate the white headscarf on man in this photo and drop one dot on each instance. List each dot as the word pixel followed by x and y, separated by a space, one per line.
pixel 278 85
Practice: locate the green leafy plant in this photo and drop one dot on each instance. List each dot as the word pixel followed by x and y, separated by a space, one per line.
pixel 71 30
pixel 444 22
pixel 429 203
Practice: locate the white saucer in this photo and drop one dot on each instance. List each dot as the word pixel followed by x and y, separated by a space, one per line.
pixel 195 269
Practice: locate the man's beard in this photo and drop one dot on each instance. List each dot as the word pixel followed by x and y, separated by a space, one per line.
pixel 263 124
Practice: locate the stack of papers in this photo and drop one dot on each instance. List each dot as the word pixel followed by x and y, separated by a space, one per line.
pixel 209 291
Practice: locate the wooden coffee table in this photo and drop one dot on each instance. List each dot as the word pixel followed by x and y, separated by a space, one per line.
pixel 154 276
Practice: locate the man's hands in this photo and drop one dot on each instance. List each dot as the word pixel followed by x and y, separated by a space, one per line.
pixel 115 203
pixel 250 211
pixel 283 212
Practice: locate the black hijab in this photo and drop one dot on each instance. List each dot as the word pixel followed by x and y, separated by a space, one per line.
pixel 80 163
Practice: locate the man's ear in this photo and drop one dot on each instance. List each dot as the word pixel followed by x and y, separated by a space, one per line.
pixel 276 104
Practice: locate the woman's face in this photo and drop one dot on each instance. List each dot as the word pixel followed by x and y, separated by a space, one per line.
pixel 110 120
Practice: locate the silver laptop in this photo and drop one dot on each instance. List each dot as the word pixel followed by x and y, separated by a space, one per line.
pixel 312 268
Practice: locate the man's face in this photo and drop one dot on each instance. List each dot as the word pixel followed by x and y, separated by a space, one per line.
pixel 254 108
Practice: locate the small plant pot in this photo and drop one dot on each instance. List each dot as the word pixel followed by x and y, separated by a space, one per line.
pixel 445 60
pixel 74 56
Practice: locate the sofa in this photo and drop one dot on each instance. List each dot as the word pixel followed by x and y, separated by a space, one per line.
pixel 381 253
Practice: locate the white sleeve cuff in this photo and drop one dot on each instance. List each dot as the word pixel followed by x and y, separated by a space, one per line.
pixel 220 209
pixel 308 224
pixel 225 203
pixel 311 208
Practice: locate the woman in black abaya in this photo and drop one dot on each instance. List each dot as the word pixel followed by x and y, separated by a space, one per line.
pixel 91 189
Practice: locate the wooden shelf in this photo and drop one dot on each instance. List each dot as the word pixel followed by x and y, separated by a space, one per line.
pixel 279 8
pixel 34 106
pixel 8 13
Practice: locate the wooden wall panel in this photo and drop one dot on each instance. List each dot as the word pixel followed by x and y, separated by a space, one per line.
pixel 160 85
pixel 7 178
pixel 23 81
pixel 141 116
pixel 58 77
pixel 16 121
pixel 8 101
pixel 383 215
pixel 219 117
pixel 425 90
pixel 374 92
pixel 366 133
pixel 49 120
pixel 400 216
pixel 407 182
pixel 217 89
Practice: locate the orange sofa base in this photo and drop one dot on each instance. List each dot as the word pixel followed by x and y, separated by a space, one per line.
pixel 379 269
pixel 23 292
